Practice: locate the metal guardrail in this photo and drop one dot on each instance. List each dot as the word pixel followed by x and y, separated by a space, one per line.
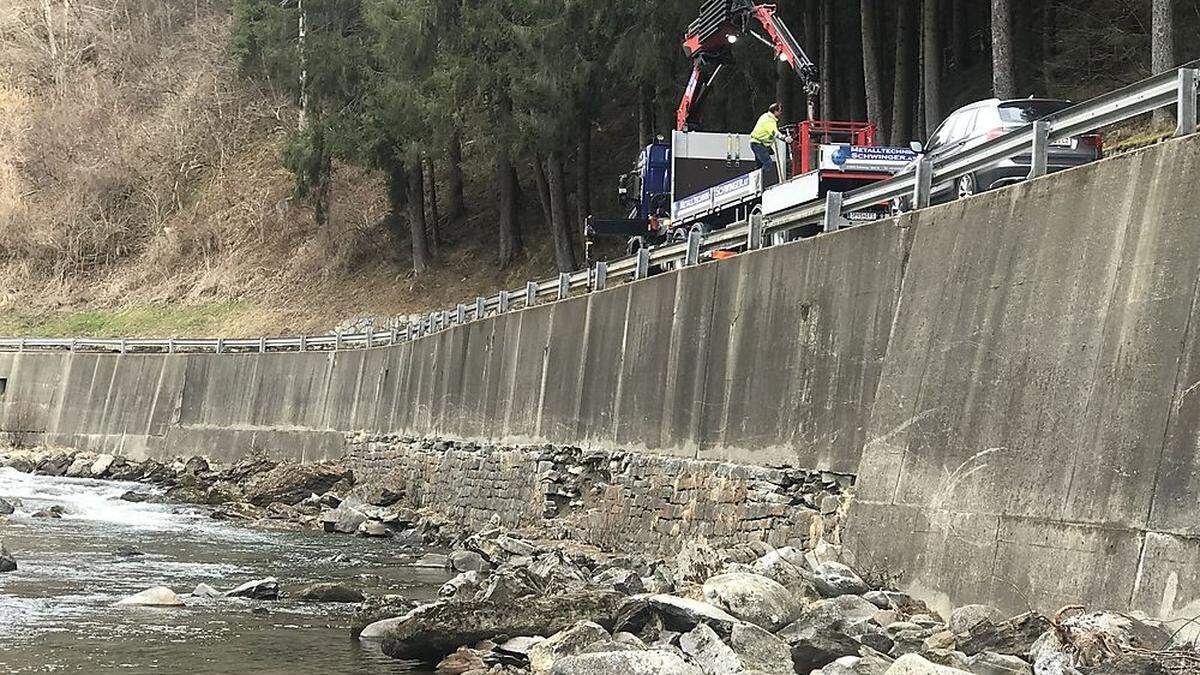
pixel 1176 87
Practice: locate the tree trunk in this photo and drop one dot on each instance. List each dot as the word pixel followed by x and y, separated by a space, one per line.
pixel 456 204
pixel 1162 47
pixel 872 75
pixel 510 227
pixel 645 117
pixel 812 42
pixel 1004 84
pixel 1049 37
pixel 543 188
pixel 827 59
pixel 958 34
pixel 564 252
pixel 583 174
pixel 397 193
pixel 421 256
pixel 902 95
pixel 434 222
pixel 932 64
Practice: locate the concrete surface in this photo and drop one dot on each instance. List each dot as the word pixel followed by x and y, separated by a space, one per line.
pixel 1015 378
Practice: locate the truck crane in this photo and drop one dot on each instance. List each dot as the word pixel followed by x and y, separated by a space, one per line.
pixel 707 180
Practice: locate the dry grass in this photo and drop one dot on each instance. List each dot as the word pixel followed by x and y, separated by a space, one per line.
pixel 140 177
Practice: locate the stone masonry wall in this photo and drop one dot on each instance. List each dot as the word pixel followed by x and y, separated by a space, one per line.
pixel 639 501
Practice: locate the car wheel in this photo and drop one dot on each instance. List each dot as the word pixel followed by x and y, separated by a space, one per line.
pixel 966 186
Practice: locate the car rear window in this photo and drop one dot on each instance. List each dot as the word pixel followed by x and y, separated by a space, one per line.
pixel 1024 112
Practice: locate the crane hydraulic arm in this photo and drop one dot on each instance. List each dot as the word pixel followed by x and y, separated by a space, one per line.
pixel 709 43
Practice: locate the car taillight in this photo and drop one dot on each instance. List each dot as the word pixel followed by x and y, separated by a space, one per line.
pixel 993 134
pixel 1094 140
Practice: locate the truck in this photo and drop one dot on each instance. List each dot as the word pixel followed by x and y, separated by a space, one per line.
pixel 703 181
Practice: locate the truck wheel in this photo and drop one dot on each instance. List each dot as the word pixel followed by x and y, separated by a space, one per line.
pixel 966 186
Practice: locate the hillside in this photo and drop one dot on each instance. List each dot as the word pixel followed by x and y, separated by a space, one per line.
pixel 141 191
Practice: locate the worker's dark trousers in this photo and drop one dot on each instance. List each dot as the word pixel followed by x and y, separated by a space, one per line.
pixel 763 155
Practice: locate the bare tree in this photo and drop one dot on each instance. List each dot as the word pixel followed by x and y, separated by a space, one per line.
pixel 932 64
pixel 872 66
pixel 1004 81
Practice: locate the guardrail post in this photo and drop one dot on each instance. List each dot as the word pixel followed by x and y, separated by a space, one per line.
pixel 693 248
pixel 370 337
pixel 262 345
pixel 1041 142
pixel 1187 101
pixel 74 345
pixel 530 293
pixel 303 343
pixel 21 345
pixel 642 269
pixel 923 183
pixel 171 346
pixel 600 277
pixel 220 345
pixel 124 346
pixel 337 340
pixel 394 335
pixel 480 307
pixel 833 212
pixel 564 285
pixel 754 237
pixel 461 318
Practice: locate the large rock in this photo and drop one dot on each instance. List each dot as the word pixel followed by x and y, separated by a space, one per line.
pixel 990 663
pixel 674 613
pixel 833 579
pixel 466 561
pixel 915 664
pixel 53 465
pixel 330 592
pixel 567 642
pixel 623 580
pixel 344 519
pixel 749 648
pixel 431 631
pixel 293 483
pixel 813 648
pixel 787 567
pixel 707 650
pixel 1095 638
pixel 964 618
pixel 100 467
pixel 377 608
pixel 6 507
pixel 81 466
pixel 159 596
pixel 203 590
pixel 259 589
pixel 7 562
pixel 1011 636
pixel 753 598
pixel 625 663
pixel 382 496
pixel 373 529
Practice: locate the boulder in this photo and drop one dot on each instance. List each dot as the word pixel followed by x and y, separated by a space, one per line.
pixel 787 567
pixel 515 546
pixel 123 469
pixel 259 589
pixel 625 581
pixel 81 465
pixel 127 551
pixel 6 507
pixel 625 663
pixel 330 592
pixel 52 512
pixel 7 562
pixel 1011 636
pixel 753 598
pixel 53 465
pixel 344 519
pixel 136 497
pixel 203 590
pixel 901 602
pixel 463 660
pixel 195 465
pixel 1095 638
pixel 382 496
pixel 373 528
pixel 100 467
pixel 293 483
pixel 915 664
pixel 567 642
pixel 868 662
pixel 813 647
pixel 674 613
pixel 466 561
pixel 832 579
pixel 431 631
pixel 990 663
pixel 376 608
pixel 707 650
pixel 159 596
pixel 964 618
pixel 464 585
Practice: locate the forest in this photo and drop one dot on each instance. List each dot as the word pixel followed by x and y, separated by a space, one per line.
pixel 557 95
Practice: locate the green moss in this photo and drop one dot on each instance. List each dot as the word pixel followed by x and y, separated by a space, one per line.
pixel 140 321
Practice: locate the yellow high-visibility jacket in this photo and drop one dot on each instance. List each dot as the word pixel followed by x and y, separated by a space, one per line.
pixel 765 129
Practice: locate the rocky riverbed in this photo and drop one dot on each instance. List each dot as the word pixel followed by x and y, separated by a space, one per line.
pixel 527 601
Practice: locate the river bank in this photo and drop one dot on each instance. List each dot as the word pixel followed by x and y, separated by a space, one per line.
pixel 443 593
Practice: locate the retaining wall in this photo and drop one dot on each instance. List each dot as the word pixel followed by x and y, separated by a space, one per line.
pixel 1012 377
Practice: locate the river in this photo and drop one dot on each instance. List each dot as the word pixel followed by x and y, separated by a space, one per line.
pixel 57 613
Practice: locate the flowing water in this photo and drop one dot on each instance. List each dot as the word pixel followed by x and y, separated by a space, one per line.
pixel 57 613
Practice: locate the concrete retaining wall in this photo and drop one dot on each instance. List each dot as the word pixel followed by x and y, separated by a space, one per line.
pixel 1013 378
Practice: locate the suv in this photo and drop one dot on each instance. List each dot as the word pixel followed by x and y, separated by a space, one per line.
pixel 983 121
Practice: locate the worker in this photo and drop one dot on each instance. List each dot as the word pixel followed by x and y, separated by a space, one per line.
pixel 762 139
